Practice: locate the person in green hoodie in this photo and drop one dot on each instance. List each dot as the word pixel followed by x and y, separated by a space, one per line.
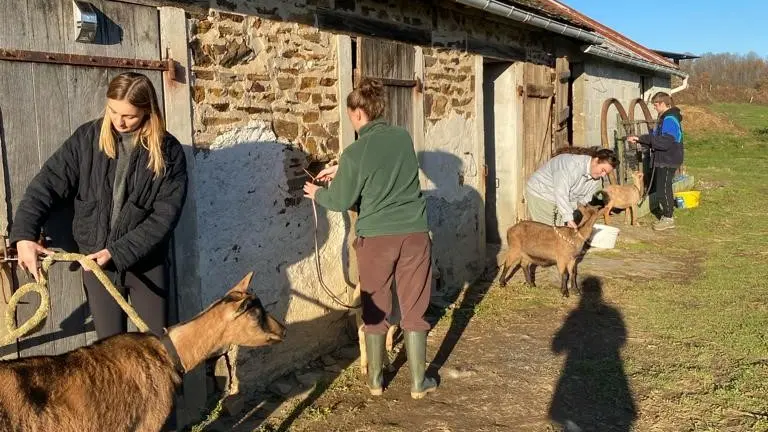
pixel 380 172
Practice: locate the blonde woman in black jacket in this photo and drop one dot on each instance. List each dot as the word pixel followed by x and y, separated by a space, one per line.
pixel 127 179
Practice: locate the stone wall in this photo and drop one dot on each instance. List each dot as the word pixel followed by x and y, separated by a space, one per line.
pixel 252 68
pixel 449 84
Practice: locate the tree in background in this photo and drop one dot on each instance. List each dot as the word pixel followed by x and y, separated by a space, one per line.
pixel 726 77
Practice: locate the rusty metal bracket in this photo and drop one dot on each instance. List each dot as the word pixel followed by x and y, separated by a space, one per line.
pixel 166 65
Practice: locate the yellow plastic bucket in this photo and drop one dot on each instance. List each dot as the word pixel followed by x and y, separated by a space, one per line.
pixel 690 198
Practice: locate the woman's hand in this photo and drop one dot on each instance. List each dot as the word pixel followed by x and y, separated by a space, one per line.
pixel 28 252
pixel 101 257
pixel 632 139
pixel 572 224
pixel 327 174
pixel 310 189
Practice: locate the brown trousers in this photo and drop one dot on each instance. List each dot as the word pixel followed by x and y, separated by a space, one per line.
pixel 404 259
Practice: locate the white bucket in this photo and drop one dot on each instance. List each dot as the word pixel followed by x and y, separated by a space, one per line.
pixel 603 236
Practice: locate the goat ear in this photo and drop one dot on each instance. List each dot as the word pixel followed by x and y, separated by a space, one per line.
pixel 242 286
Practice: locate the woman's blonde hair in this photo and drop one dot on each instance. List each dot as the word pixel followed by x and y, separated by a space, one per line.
pixel 369 97
pixel 137 90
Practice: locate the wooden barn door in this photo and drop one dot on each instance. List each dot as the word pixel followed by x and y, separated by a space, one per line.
pixel 394 64
pixel 41 105
pixel 538 93
pixel 562 113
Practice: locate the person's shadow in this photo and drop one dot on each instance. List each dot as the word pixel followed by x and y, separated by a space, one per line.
pixel 252 215
pixel 593 392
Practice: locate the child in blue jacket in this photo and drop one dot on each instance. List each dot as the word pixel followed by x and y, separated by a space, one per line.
pixel 666 141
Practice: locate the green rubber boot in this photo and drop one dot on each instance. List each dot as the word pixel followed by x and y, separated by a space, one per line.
pixel 374 349
pixel 416 347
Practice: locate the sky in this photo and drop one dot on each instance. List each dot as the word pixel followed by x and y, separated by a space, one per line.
pixel 696 26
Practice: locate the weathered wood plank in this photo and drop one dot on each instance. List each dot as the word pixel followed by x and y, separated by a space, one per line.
pixel 185 282
pixel 399 110
pixel 65 324
pixel 537 117
pixel 394 63
pixel 87 91
pixel 146 33
pixel 51 89
pixel 48 25
pixel 20 134
pixel 539 90
pixel 562 101
pixel 10 351
pixel 15 29
pixel 115 38
pixel 386 59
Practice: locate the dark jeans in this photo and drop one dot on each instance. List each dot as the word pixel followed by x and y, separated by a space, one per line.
pixel 405 259
pixel 147 292
pixel 663 184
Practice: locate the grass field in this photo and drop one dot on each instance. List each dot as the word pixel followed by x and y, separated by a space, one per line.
pixel 710 367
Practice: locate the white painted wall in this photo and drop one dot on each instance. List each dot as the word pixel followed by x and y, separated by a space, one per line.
pixel 454 209
pixel 251 217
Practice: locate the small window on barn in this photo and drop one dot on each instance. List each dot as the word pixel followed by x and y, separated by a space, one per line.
pixel 392 63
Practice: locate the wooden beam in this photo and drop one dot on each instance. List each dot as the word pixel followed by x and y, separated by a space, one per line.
pixel 345 71
pixel 496 50
pixel 418 102
pixel 478 136
pixel 539 91
pixel 178 108
pixel 200 6
pixel 326 19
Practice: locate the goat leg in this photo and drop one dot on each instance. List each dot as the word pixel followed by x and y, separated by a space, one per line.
pixel 572 277
pixel 503 275
pixel 606 215
pixel 634 215
pixel 564 284
pixel 528 270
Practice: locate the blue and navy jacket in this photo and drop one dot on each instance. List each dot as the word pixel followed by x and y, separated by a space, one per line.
pixel 667 140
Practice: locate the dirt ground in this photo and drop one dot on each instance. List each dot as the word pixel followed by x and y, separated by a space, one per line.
pixel 507 358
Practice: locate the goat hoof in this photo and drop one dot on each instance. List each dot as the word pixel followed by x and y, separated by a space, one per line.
pixel 566 294
pixel 502 284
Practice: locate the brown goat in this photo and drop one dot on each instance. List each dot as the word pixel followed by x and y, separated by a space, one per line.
pixel 625 197
pixel 127 382
pixel 533 243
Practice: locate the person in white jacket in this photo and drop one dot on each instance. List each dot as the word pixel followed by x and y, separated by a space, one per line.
pixel 570 178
